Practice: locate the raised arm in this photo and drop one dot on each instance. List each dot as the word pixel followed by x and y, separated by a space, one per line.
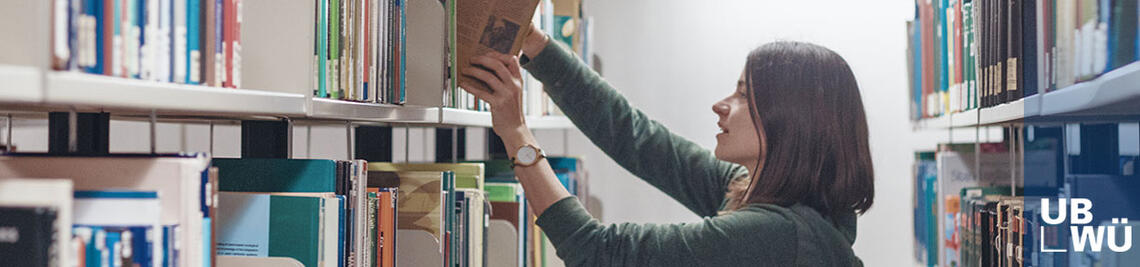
pixel 682 169
pixel 753 236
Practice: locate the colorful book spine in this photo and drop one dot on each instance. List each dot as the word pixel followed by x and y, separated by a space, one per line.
pixel 193 42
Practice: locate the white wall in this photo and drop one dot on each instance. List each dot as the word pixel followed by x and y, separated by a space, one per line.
pixel 673 59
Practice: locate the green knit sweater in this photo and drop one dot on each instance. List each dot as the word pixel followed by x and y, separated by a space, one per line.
pixel 755 235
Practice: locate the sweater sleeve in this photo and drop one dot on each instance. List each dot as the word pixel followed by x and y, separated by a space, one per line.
pixel 747 237
pixel 682 169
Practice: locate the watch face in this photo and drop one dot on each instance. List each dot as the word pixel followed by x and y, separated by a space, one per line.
pixel 527 155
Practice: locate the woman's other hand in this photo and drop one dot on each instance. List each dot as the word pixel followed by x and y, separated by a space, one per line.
pixel 501 74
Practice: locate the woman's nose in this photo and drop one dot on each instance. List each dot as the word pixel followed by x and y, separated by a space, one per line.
pixel 720 108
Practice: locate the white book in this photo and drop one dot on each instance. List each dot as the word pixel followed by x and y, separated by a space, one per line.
pixel 165 29
pixel 148 62
pixel 179 53
pixel 44 192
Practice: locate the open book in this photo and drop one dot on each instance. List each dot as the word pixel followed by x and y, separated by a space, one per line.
pixel 485 26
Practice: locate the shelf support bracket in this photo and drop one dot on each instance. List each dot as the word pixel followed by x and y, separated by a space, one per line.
pixel 373 143
pixel 72 133
pixel 450 144
pixel 267 139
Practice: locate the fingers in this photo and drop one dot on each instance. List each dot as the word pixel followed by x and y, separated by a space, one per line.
pixel 496 66
pixel 479 93
pixel 491 80
pixel 512 63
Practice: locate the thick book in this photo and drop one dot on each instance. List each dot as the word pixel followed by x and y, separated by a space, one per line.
pixel 208 38
pixel 27 235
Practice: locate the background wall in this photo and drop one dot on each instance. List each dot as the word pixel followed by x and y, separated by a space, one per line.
pixel 672 59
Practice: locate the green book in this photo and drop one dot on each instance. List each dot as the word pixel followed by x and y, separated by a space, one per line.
pixel 265 225
pixel 503 192
pixel 334 48
pixel 276 175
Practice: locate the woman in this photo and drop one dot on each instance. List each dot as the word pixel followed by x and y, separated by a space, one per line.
pixel 789 175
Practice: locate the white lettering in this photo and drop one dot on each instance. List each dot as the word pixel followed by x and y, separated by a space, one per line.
pixel 1080 238
pixel 1080 209
pixel 1045 214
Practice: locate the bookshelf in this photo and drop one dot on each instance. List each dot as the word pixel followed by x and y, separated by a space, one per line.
pixel 1114 94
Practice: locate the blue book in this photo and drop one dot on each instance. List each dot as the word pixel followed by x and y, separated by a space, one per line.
pixel 193 53
pixel 219 60
pixel 403 48
pixel 141 21
pixel 142 249
pixel 95 10
pixel 112 239
pixel 341 239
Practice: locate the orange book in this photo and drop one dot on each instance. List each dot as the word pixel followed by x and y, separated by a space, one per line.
pixel 387 227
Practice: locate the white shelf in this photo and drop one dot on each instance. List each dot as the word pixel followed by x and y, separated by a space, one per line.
pixel 1114 93
pixel 113 93
pixel 20 84
pixel 355 111
pixel 28 88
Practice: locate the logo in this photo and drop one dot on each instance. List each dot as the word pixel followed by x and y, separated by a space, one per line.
pixel 1084 235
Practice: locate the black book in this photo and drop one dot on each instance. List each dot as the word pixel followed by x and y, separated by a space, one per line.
pixel 26 235
pixel 1029 73
pixel 1013 51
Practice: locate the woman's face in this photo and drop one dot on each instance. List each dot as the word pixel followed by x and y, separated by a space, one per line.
pixel 738 141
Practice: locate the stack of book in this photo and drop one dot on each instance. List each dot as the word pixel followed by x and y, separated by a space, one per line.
pixel 177 41
pixel 968 54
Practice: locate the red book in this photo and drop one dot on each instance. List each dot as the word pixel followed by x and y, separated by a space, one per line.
pixel 367 45
pixel 108 36
pixel 232 38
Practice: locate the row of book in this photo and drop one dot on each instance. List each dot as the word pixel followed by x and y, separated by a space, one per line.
pixel 189 210
pixel 360 50
pixel 968 54
pixel 564 22
pixel 177 41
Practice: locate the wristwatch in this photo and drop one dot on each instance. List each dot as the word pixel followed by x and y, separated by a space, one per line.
pixel 527 155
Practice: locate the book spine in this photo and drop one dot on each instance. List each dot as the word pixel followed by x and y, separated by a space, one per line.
pixel 193 42
pixel 178 55
pixel 219 68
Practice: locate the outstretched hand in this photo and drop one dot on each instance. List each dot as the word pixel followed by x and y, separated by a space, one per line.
pixel 502 76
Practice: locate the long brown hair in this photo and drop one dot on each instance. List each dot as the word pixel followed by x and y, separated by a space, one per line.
pixel 805 102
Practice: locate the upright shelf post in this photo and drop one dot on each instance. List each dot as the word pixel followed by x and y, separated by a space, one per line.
pixel 373 143
pixel 79 133
pixel 267 139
